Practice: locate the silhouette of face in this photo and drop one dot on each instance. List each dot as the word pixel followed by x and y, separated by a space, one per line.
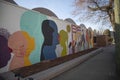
pixel 18 44
pixel 4 52
pixel 47 32
pixel 55 33
pixel 49 29
pixel 50 32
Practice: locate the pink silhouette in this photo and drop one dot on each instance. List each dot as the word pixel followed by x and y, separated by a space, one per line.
pixel 18 44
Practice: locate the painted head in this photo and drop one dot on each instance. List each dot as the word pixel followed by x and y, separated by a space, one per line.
pixel 19 43
pixel 50 32
pixel 4 49
pixel 4 52
pixel 68 28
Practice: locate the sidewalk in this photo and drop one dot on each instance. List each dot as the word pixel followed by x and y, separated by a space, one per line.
pixel 99 67
pixel 56 70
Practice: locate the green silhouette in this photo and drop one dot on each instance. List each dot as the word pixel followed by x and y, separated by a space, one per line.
pixel 63 41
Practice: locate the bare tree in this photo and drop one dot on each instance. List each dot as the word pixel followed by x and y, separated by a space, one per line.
pixel 95 11
pixel 105 11
pixel 106 32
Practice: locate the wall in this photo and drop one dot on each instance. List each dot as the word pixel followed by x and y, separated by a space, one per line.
pixel 28 37
pixel 102 40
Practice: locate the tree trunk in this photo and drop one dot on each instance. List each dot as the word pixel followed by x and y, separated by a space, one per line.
pixel 117 34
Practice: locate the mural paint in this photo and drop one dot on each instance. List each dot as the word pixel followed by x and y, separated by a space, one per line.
pixel 65 37
pixel 91 34
pixel 31 22
pixel 50 32
pixel 4 50
pixel 4 32
pixel 36 37
pixel 22 45
pixel 82 38
pixel 69 42
pixel 78 39
pixel 63 40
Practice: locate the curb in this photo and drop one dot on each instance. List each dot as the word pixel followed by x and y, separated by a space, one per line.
pixel 54 71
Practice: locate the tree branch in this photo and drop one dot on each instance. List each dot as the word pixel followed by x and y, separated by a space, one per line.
pixel 102 8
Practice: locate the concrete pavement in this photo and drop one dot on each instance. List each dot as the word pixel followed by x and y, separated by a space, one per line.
pixel 54 71
pixel 99 67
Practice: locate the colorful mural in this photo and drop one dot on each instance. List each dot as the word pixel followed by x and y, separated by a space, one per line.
pixel 36 37
pixel 63 40
pixel 5 51
pixel 50 32
pixel 22 45
pixel 31 22
pixel 90 34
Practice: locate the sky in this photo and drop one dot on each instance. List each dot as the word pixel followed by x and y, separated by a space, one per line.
pixel 62 8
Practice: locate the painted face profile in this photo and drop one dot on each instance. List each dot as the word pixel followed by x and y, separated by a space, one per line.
pixel 22 45
pixel 4 52
pixel 31 22
pixel 4 49
pixel 50 32
pixel 18 44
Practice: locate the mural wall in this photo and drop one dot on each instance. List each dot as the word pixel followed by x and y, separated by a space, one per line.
pixel 28 37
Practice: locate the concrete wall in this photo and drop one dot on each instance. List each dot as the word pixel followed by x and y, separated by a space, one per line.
pixel 28 37
pixel 102 40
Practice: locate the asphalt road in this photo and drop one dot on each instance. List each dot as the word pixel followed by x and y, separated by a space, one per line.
pixel 99 67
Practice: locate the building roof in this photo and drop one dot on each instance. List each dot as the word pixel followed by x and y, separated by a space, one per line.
pixel 11 1
pixel 70 20
pixel 45 11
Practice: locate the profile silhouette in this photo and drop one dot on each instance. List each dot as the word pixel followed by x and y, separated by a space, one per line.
pixel 4 51
pixel 50 33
